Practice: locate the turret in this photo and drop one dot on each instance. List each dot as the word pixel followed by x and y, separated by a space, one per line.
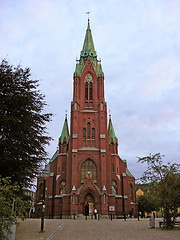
pixel 64 138
pixel 113 141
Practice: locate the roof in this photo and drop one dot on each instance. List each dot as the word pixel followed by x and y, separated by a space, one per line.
pixel 54 156
pixel 88 51
pixel 129 173
pixel 88 46
pixel 111 133
pixel 65 132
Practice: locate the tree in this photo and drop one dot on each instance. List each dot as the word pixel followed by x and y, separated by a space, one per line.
pixel 147 203
pixel 13 204
pixel 165 184
pixel 23 134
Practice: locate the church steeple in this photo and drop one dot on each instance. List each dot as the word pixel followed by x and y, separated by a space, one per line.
pixel 88 51
pixel 88 46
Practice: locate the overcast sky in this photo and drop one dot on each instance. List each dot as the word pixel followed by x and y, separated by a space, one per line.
pixel 138 42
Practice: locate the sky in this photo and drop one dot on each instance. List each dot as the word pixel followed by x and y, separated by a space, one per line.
pixel 138 42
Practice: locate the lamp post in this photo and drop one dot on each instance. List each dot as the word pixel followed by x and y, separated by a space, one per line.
pixel 123 205
pixel 43 205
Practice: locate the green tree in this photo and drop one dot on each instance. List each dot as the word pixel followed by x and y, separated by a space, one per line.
pixel 12 204
pixel 23 134
pixel 165 185
pixel 147 203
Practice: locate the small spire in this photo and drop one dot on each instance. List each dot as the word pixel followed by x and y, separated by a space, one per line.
pixel 111 133
pixel 65 131
pixel 66 114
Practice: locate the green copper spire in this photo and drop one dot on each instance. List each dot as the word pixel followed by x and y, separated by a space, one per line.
pixel 65 131
pixel 111 133
pixel 88 46
pixel 88 51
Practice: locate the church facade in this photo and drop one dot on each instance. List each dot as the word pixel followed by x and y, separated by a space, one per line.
pixel 86 172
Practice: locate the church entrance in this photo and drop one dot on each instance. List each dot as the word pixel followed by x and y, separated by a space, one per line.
pixel 88 205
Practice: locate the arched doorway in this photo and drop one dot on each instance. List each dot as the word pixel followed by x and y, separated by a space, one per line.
pixel 88 209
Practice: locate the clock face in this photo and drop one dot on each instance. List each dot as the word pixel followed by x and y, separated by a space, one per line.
pixel 88 77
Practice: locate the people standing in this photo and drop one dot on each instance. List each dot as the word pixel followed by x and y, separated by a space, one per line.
pixel 95 213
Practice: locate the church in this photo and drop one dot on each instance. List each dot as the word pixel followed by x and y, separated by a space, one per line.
pixel 86 172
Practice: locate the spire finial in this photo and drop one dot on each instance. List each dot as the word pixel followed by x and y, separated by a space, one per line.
pixel 66 114
pixel 88 15
pixel 109 114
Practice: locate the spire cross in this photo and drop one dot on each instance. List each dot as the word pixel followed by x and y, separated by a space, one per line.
pixel 66 113
pixel 88 14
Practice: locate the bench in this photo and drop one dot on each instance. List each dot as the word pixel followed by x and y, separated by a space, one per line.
pixel 162 224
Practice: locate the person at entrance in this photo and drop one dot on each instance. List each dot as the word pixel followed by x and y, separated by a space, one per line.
pixel 95 213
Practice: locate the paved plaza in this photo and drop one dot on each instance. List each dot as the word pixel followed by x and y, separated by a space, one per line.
pixel 104 229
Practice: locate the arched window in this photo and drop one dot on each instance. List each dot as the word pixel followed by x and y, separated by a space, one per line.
pixel 112 147
pixel 86 91
pixel 90 90
pixel 88 130
pixel 131 191
pixel 88 166
pixel 93 133
pixel 64 148
pixel 84 133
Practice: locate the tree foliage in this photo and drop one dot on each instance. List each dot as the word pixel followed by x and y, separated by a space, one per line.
pixel 165 185
pixel 23 135
pixel 13 204
pixel 147 203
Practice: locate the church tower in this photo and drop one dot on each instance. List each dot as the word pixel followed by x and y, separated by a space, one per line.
pixel 86 171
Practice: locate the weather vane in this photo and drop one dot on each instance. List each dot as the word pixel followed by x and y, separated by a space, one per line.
pixel 88 14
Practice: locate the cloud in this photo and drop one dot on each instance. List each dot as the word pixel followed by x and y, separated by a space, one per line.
pixel 139 44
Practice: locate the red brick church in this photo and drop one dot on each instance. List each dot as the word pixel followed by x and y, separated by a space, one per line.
pixel 86 171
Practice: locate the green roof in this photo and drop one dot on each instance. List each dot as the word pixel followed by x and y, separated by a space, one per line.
pixel 111 133
pixel 88 46
pixel 54 156
pixel 88 51
pixel 65 132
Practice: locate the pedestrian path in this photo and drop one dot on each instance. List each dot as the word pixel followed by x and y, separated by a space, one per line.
pixel 117 229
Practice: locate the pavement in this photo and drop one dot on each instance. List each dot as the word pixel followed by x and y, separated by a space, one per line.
pixel 91 229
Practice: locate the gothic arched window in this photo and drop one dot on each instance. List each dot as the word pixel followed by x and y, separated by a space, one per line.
pixel 64 148
pixel 86 90
pixel 84 133
pixel 88 166
pixel 88 130
pixel 112 147
pixel 93 133
pixel 90 91
pixel 131 191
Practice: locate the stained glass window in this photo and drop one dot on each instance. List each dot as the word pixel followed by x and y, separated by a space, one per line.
pixel 88 166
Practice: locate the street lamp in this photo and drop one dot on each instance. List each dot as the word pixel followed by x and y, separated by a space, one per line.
pixel 43 205
pixel 123 205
